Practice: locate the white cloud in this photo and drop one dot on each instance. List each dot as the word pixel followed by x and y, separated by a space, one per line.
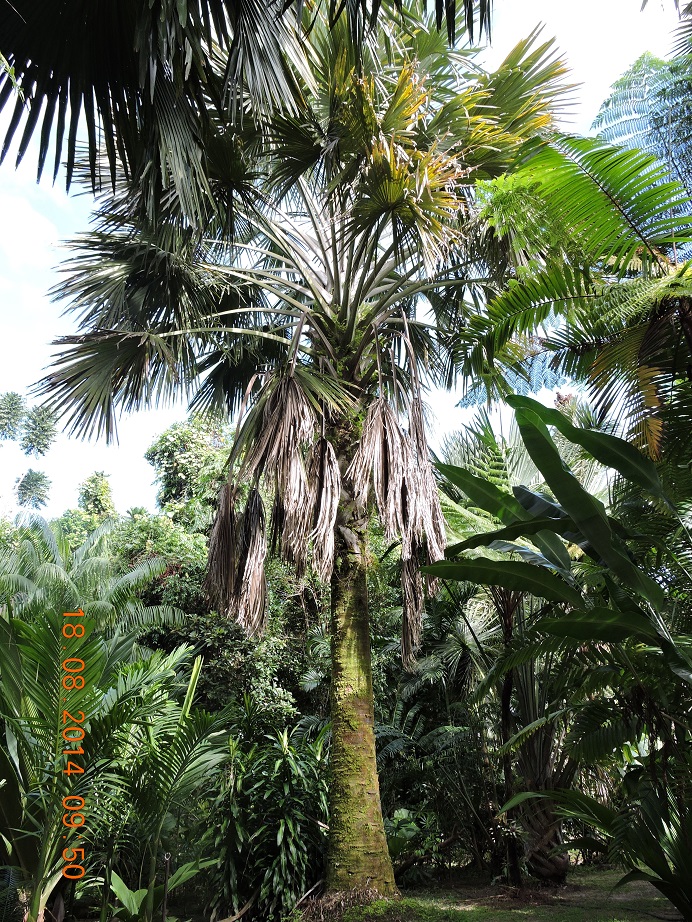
pixel 28 239
pixel 599 38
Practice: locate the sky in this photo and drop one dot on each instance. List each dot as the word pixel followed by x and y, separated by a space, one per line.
pixel 598 38
pixel 34 220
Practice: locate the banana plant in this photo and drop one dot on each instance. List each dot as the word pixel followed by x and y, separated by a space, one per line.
pixel 566 530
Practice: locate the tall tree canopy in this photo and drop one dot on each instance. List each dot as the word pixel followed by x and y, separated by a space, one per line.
pixel 649 109
pixel 304 318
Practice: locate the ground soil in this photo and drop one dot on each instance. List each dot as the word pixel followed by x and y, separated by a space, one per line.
pixel 589 896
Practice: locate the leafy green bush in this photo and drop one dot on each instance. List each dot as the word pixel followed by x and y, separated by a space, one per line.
pixel 190 460
pixel 145 754
pixel 269 822
pixel 158 536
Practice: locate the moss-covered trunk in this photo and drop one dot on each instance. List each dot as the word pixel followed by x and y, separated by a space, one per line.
pixel 358 857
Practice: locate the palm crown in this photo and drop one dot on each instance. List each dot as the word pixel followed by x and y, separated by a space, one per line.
pixel 307 315
pixel 146 77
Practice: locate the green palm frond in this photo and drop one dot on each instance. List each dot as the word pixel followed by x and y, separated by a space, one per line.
pixel 684 31
pixel 528 90
pixel 138 71
pixel 162 309
pixel 571 180
pixel 116 701
pixel 180 756
pixel 134 369
pixel 599 731
pixel 92 542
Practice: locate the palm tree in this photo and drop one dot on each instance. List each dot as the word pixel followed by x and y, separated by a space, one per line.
pixel 39 568
pixel 144 78
pixel 305 322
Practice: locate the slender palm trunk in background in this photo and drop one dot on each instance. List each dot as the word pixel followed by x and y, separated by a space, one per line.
pixel 506 604
pixel 512 855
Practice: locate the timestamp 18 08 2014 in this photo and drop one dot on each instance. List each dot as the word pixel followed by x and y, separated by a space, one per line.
pixel 73 735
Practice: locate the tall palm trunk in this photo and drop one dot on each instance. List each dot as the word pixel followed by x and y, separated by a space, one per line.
pixel 542 771
pixel 512 853
pixel 507 604
pixel 358 857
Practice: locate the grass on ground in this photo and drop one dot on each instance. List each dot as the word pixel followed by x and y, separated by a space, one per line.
pixel 587 897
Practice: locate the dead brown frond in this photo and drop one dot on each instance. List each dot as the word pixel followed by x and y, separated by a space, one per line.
pixel 324 474
pixel 305 502
pixel 384 458
pixel 223 552
pixel 250 589
pixel 235 580
pixel 331 906
pixel 286 431
pixel 288 422
pixel 397 464
pixel 432 520
pixel 302 472
pixel 413 599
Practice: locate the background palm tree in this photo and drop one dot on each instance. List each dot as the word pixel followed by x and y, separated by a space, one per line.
pixel 305 320
pixel 532 693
